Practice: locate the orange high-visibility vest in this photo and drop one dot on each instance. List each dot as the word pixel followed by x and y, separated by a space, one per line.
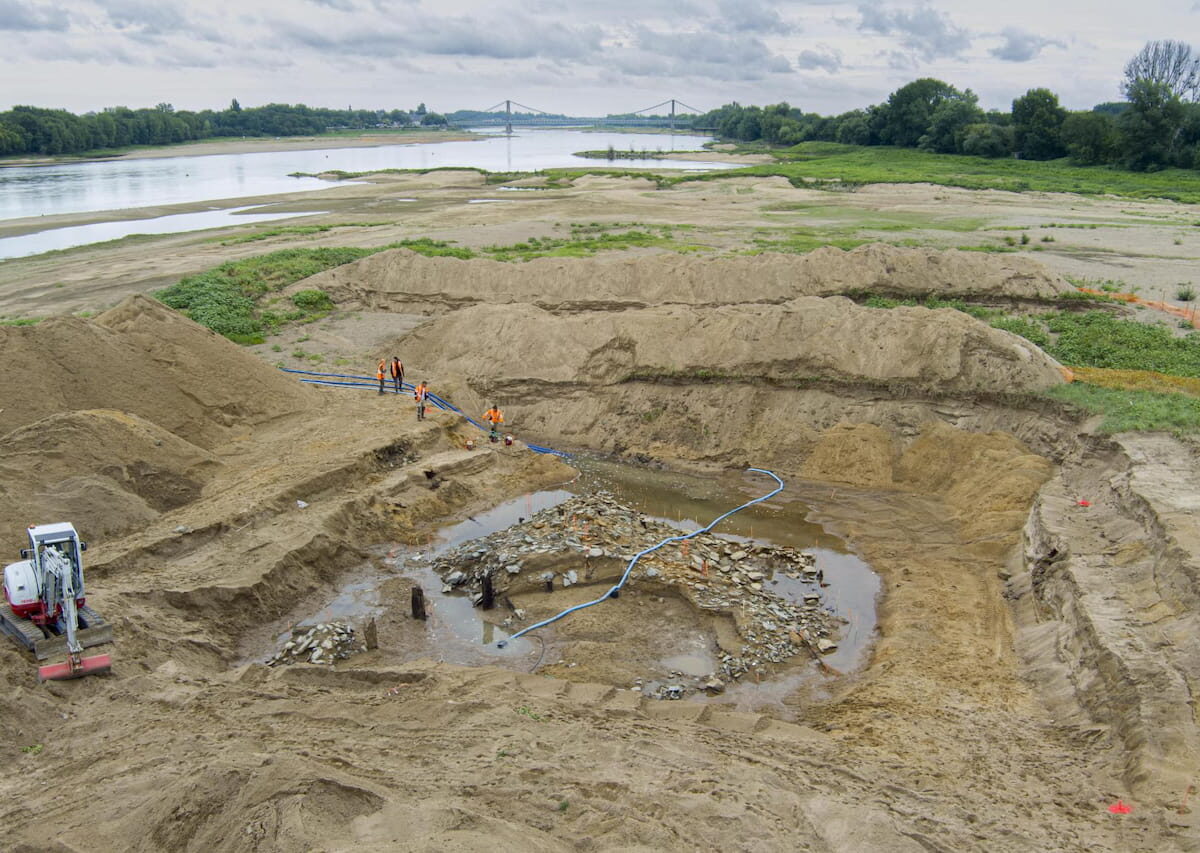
pixel 494 416
pixel 420 392
pixel 379 371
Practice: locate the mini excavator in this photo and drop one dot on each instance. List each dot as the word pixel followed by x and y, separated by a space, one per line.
pixel 47 612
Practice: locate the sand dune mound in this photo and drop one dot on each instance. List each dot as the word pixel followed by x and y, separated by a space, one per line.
pixel 943 350
pixel 144 359
pixel 110 468
pixel 404 281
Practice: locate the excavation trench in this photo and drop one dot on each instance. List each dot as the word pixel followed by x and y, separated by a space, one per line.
pixel 673 630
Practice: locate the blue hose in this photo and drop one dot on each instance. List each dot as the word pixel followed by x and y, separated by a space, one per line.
pixel 438 402
pixel 612 593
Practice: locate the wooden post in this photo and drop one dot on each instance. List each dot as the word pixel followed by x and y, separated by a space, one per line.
pixel 418 603
pixel 489 594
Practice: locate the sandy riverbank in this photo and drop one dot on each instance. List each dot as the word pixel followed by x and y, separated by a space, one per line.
pixel 253 145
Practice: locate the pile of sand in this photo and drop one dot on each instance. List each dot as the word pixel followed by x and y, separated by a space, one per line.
pixel 144 359
pixel 401 280
pixel 111 468
pixel 944 350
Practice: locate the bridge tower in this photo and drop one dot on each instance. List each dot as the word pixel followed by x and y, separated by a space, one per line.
pixel 672 115
pixel 508 118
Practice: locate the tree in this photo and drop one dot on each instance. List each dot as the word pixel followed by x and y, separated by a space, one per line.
pixel 853 128
pixel 420 110
pixel 433 119
pixel 1037 125
pixel 987 139
pixel 905 118
pixel 234 106
pixel 947 123
pixel 1150 126
pixel 1089 137
pixel 1172 63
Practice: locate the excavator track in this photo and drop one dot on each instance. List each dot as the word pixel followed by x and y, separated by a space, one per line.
pixel 93 631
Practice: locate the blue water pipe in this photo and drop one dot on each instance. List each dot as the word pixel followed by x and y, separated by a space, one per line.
pixel 329 379
pixel 613 593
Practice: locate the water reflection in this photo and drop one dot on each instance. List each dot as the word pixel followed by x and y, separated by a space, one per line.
pixel 27 191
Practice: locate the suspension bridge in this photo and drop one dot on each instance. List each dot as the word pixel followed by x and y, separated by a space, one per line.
pixel 508 114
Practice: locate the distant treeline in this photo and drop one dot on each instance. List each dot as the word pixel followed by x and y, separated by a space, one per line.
pixel 33 130
pixel 1157 126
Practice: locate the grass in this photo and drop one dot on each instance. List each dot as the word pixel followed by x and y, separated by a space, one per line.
pixel 235 298
pixel 226 298
pixel 1129 410
pixel 847 166
pixel 583 244
pixel 292 230
pixel 19 321
pixel 1098 339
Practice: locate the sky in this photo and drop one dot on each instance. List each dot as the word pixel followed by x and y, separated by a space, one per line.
pixel 580 57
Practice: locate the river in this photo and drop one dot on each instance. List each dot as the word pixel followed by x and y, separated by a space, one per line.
pixel 112 185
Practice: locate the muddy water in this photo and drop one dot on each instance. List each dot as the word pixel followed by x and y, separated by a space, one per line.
pixel 457 632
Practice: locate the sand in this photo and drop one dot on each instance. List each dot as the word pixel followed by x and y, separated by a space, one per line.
pixel 1033 659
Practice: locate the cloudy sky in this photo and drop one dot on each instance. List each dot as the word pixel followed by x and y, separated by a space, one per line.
pixel 567 56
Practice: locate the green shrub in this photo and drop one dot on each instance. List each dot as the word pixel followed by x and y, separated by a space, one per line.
pixel 1098 339
pixel 1185 293
pixel 312 300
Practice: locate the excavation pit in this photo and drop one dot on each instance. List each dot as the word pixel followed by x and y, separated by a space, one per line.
pixel 769 596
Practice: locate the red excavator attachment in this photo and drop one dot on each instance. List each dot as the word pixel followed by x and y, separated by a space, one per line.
pixel 75 668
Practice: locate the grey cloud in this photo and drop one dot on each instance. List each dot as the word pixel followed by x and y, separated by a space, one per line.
pixel 925 31
pixel 1021 45
pixel 512 38
pixel 824 57
pixel 145 16
pixel 900 61
pixel 699 54
pixel 753 16
pixel 339 5
pixel 26 17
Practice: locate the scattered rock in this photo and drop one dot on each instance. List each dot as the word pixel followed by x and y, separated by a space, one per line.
pixel 325 643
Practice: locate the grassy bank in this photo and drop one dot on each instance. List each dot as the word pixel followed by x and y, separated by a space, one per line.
pixel 240 299
pixel 815 163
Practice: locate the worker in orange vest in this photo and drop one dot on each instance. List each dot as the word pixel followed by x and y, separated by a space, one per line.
pixel 379 374
pixel 495 417
pixel 421 394
pixel 397 370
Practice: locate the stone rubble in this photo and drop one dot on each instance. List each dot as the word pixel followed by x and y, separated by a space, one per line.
pixel 716 575
pixel 325 643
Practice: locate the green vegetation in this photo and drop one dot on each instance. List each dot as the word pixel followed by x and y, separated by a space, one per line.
pixel 818 165
pixel 581 244
pixel 433 248
pixel 292 230
pixel 1126 410
pixel 1158 126
pixel 225 299
pixel 525 711
pixel 33 749
pixel 1185 293
pixel 19 321
pixel 26 130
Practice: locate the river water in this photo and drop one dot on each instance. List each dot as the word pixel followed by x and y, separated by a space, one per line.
pixel 33 191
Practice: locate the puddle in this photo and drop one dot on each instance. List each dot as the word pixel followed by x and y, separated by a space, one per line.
pixel 487 201
pixel 684 645
pixel 79 235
